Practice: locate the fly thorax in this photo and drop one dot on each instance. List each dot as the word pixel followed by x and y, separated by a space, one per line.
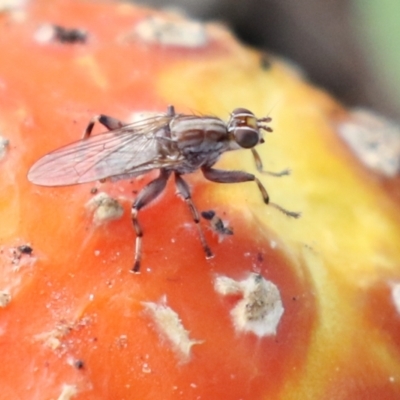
pixel 198 134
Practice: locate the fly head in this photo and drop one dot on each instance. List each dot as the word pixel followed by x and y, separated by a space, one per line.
pixel 246 128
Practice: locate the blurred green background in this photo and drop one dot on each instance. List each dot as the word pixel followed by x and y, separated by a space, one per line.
pixel 378 32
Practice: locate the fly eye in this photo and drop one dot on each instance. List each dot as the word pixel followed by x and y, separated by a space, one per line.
pixel 246 138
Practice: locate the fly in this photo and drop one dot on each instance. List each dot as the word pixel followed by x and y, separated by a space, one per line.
pixel 175 144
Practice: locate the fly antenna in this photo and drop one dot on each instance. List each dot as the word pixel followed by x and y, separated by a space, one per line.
pixel 267 119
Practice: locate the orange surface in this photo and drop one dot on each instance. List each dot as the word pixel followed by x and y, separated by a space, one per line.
pixel 74 297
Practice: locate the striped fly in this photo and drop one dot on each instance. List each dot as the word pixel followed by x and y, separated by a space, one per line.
pixel 175 144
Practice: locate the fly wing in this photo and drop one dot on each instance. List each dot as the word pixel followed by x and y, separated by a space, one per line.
pixel 131 150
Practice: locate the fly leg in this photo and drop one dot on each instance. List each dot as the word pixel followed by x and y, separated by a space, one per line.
pixel 109 122
pixel 184 190
pixel 259 166
pixel 221 176
pixel 149 193
pixel 112 123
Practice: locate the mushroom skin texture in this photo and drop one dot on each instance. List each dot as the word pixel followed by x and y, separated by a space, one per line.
pixel 76 324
